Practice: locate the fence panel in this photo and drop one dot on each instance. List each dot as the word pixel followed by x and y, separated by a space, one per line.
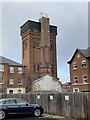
pixel 88 106
pixel 75 105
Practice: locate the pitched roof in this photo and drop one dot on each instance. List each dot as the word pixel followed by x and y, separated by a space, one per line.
pixel 4 60
pixel 46 77
pixel 84 52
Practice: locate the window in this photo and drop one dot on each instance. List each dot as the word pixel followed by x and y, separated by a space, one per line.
pixel 36 68
pixel 10 101
pixel 75 80
pixel 19 81
pixel 75 89
pixel 1 67
pixel 25 44
pixel 1 90
pixel 1 80
pixel 21 102
pixel 11 69
pixel 74 65
pixel 11 91
pixel 19 69
pixel 11 81
pixel 19 91
pixel 84 64
pixel 84 79
pixel 36 42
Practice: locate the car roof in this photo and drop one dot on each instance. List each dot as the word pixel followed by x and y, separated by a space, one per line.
pixel 10 99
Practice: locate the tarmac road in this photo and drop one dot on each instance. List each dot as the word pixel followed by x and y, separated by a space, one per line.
pixel 45 117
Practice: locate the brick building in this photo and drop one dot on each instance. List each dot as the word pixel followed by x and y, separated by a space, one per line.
pixel 12 76
pixel 80 70
pixel 39 48
pixel 66 87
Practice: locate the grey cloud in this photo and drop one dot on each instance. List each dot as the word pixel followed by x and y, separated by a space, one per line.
pixel 70 18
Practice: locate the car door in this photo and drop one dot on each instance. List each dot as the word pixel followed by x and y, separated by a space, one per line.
pixel 24 107
pixel 11 106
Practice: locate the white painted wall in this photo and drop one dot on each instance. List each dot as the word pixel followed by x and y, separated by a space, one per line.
pixel 15 90
pixel 46 83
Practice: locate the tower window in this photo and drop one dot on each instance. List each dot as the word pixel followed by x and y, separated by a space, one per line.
pixel 36 42
pixel 36 68
pixel 25 44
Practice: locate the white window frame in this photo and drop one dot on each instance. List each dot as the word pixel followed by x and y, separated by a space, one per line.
pixel 19 91
pixel 11 81
pixel 20 81
pixel 1 80
pixel 75 80
pixel 20 70
pixel 76 89
pixel 11 69
pixel 83 63
pixel 83 78
pixel 74 65
pixel 1 67
pixel 11 92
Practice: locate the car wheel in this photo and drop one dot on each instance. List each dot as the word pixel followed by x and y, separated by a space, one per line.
pixel 2 114
pixel 37 112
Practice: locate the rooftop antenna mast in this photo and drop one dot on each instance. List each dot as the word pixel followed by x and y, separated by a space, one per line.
pixel 43 15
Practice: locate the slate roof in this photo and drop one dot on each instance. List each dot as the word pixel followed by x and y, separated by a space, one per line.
pixel 4 60
pixel 84 52
pixel 33 25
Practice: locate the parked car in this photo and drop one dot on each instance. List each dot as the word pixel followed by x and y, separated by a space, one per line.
pixel 15 106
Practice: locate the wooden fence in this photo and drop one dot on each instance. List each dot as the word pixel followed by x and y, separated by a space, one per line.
pixel 71 105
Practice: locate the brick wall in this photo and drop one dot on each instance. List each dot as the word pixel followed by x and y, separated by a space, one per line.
pixel 15 75
pixel 79 72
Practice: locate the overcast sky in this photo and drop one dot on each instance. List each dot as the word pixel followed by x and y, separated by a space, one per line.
pixel 70 18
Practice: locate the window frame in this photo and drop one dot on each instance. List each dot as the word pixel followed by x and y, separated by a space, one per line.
pixel 20 82
pixel 75 80
pixel 20 71
pixel 76 89
pixel 85 80
pixel 1 68
pixel 11 83
pixel 11 92
pixel 11 71
pixel 19 91
pixel 84 64
pixel 74 65
pixel 1 83
pixel 36 68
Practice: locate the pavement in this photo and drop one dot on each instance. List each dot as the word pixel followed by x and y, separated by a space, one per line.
pixel 44 117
